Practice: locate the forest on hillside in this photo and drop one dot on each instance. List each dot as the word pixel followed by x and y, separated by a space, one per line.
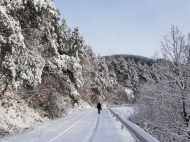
pixel 47 67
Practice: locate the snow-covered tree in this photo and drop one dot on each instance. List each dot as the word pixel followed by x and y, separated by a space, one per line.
pixel 163 105
pixel 36 49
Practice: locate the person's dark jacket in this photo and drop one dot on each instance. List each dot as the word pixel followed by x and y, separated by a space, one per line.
pixel 99 106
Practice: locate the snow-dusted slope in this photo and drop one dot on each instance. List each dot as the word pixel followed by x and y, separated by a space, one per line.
pixel 16 116
pixel 83 126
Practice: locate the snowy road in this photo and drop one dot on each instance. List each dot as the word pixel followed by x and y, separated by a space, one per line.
pixel 83 126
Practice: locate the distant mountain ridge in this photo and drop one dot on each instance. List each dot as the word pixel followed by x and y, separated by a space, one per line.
pixel 136 58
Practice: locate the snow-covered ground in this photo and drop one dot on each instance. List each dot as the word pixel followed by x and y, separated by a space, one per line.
pixel 140 135
pixel 85 125
pixel 16 115
pixel 124 111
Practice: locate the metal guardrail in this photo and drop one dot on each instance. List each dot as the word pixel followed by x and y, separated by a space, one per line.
pixel 139 134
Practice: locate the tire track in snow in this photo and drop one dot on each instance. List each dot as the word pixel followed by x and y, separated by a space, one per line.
pixel 68 129
pixel 57 125
pixel 92 132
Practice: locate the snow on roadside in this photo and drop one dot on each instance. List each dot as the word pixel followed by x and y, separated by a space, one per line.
pixel 126 112
pixel 15 114
pixel 77 107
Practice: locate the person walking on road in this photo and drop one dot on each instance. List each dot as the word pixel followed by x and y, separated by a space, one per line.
pixel 99 107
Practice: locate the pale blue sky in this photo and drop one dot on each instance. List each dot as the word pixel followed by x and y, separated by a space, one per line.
pixel 125 26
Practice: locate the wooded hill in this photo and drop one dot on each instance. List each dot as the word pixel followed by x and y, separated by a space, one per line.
pixel 46 68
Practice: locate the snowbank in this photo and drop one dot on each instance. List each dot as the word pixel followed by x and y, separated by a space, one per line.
pixel 15 114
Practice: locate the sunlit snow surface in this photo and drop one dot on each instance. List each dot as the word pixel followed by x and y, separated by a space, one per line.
pixel 85 125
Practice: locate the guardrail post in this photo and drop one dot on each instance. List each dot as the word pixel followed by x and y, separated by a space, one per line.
pixel 122 126
pixel 116 117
